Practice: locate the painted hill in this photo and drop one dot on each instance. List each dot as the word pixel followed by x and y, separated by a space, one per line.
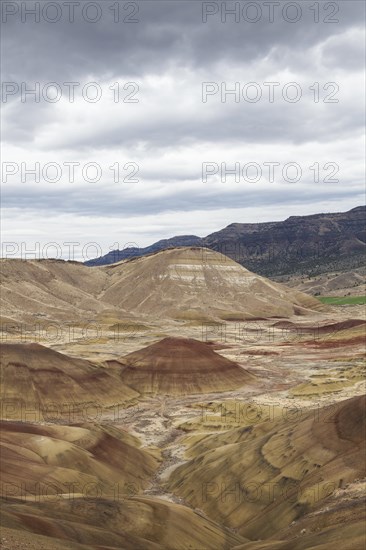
pixel 197 283
pixel 181 283
pixel 260 479
pixel 138 523
pixel 38 383
pixel 57 458
pixel 81 487
pixel 36 291
pixel 181 366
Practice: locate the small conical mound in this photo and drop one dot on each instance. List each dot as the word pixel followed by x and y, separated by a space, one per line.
pixel 180 366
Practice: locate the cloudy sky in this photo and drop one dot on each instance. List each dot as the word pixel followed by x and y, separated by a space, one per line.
pixel 152 119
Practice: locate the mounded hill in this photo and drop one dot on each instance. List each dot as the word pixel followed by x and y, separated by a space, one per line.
pixel 181 366
pixel 182 283
pixel 82 485
pixel 339 523
pixel 138 523
pixel 38 383
pixel 197 283
pixel 262 478
pixel 38 460
pixel 39 290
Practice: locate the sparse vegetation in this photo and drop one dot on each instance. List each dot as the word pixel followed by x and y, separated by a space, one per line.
pixel 343 300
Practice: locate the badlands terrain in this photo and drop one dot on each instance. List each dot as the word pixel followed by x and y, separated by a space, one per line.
pixel 178 401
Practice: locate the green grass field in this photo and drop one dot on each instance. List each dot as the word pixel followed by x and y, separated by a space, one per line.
pixel 343 300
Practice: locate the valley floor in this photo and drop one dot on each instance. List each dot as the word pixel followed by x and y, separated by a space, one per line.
pixel 299 365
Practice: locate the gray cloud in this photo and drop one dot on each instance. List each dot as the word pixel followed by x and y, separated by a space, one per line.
pixel 119 202
pixel 167 34
pixel 170 132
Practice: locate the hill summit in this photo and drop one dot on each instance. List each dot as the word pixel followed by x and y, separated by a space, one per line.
pixel 188 283
pixel 198 283
pixel 179 366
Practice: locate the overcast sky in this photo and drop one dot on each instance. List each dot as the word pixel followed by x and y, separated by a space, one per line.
pixel 149 124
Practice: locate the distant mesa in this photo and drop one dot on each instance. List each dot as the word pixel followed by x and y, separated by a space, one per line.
pixel 319 243
pixel 181 366
pixel 129 251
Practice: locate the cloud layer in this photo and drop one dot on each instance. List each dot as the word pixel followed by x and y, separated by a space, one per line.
pixel 175 93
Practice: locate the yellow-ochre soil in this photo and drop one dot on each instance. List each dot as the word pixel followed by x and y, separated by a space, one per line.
pixel 178 402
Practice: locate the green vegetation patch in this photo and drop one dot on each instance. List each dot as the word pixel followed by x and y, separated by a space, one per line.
pixel 343 300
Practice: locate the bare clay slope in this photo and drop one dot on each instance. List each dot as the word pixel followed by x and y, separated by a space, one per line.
pixel 262 478
pixel 83 485
pixel 36 378
pixel 33 290
pixel 197 283
pixel 138 523
pixel 56 459
pixel 182 283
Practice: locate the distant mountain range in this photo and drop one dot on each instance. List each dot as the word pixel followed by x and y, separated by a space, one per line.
pixel 301 244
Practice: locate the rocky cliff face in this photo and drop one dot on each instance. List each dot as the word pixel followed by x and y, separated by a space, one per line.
pixel 301 244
